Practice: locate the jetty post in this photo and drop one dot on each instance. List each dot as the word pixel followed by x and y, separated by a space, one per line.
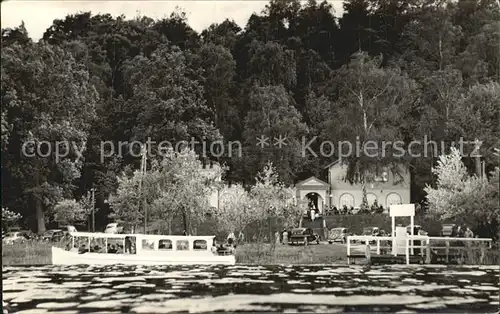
pixel 348 250
pixel 401 210
pixel 367 252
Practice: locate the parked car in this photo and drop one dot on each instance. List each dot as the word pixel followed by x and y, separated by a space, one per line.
pixel 417 230
pixel 338 235
pixel 303 235
pixel 15 237
pixel 69 228
pixel 53 235
pixel 113 228
pixel 371 231
pixel 448 229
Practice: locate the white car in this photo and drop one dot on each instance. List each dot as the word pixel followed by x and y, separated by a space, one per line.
pixel 69 228
pixel 113 228
pixel 14 237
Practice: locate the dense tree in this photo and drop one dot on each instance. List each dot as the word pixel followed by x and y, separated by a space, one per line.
pixel 237 210
pixel 462 197
pixel 224 34
pixel 17 35
pixel 371 105
pixel 273 116
pixel 166 103
pixel 69 212
pixel 47 97
pixel 422 68
pixel 218 79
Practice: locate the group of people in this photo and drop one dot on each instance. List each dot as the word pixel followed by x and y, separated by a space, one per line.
pixel 233 240
pixel 462 232
pixel 344 210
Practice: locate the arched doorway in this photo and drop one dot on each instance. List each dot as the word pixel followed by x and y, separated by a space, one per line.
pixel 312 190
pixel 314 200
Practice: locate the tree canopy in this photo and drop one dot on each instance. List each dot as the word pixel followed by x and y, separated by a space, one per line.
pixel 384 70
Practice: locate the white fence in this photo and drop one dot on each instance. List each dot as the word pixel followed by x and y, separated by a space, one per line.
pixel 409 244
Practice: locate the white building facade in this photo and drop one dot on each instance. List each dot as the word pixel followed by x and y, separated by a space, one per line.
pixel 388 190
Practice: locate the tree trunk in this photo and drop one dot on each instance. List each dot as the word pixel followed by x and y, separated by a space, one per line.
pixel 40 217
pixel 477 160
pixel 185 221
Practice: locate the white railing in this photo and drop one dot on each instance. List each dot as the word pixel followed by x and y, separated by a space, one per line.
pixel 409 244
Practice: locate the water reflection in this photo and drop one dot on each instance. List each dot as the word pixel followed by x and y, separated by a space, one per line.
pixel 291 289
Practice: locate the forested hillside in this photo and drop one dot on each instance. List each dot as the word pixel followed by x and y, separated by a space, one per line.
pixel 384 71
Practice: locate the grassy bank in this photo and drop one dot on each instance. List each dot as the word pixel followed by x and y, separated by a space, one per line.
pixel 30 253
pixel 286 254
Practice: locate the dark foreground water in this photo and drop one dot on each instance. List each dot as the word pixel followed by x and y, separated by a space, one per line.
pixel 289 289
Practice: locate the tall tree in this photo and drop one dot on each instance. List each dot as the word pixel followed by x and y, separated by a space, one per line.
pixel 47 96
pixel 371 104
pixel 272 64
pixel 461 197
pixel 165 102
pixel 273 116
pixel 218 75
pixel 17 35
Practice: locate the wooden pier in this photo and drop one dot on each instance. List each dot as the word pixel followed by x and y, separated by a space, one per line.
pixel 416 249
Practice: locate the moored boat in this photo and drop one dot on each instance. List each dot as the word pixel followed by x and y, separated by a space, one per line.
pixel 140 249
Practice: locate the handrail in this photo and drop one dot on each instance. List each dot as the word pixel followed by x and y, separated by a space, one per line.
pixel 410 244
pixel 142 236
pixel 419 237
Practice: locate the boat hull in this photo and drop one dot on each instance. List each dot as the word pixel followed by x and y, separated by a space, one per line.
pixel 63 257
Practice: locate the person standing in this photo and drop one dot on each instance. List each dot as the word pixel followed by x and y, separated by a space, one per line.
pixel 241 238
pixel 285 237
pixel 230 238
pixel 469 233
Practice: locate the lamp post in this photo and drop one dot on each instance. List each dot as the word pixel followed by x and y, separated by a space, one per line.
pixel 92 190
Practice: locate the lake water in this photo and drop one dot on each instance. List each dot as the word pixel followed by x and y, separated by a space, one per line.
pixel 289 289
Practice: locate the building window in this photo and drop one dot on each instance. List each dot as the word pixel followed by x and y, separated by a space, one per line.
pixel 182 245
pixel 200 245
pixel 165 245
pixel 393 199
pixel 347 200
pixel 371 198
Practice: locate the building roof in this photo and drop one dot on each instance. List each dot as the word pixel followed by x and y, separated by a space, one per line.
pixel 332 163
pixel 321 182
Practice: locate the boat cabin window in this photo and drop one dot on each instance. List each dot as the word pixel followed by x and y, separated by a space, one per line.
pixel 182 245
pixel 130 245
pixel 200 245
pixel 148 245
pixel 115 245
pixel 164 245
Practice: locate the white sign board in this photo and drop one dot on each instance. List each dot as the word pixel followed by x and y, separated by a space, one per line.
pixel 403 210
pixel 400 243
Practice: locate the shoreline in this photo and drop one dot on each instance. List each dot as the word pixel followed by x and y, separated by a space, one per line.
pixel 39 254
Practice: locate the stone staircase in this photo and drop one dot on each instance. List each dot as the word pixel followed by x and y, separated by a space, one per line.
pixel 318 226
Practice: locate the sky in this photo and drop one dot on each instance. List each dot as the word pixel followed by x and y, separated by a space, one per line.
pixel 38 14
